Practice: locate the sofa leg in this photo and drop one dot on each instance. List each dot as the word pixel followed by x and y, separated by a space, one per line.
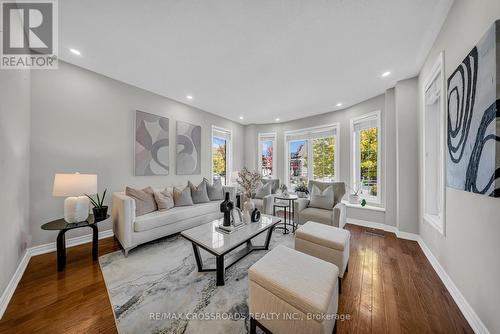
pixel 253 326
pixel 125 251
pixel 335 327
pixel 347 267
pixel 339 282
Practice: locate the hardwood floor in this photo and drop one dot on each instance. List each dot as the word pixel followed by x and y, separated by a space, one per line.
pixel 390 288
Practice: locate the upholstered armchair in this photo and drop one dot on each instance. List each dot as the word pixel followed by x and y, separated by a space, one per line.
pixel 265 203
pixel 335 216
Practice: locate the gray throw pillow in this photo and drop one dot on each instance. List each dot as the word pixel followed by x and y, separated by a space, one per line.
pixel 321 199
pixel 263 190
pixel 199 194
pixel 144 200
pixel 182 197
pixel 215 191
pixel 164 199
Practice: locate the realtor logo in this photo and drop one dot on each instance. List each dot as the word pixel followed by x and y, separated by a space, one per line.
pixel 29 34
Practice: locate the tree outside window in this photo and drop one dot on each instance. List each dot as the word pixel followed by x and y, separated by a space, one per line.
pixel 267 158
pixel 368 161
pixel 324 159
pixel 219 162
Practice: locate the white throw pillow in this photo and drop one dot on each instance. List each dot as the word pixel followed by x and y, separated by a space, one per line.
pixel 263 190
pixel 321 199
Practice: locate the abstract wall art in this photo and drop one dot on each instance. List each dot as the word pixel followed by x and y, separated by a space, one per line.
pixel 473 142
pixel 151 144
pixel 188 159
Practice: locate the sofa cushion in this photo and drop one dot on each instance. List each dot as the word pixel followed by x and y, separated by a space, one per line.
pixel 321 198
pixel 303 281
pixel 164 199
pixel 328 236
pixel 316 215
pixel 199 194
pixel 182 197
pixel 215 192
pixel 263 190
pixel 144 200
pixel 174 215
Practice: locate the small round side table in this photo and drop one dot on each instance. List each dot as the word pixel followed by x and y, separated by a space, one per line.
pixel 62 226
pixel 286 202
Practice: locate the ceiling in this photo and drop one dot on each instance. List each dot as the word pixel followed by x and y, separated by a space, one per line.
pixel 259 59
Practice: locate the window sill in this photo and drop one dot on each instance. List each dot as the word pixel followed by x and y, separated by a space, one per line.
pixel 366 207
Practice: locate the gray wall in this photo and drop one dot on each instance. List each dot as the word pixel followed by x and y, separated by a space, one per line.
pixel 407 155
pixel 83 121
pixel 390 161
pixel 343 117
pixel 469 251
pixel 14 169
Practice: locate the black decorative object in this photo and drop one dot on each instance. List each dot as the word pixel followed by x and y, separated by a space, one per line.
pixel 225 208
pixel 255 215
pixel 473 141
pixel 100 213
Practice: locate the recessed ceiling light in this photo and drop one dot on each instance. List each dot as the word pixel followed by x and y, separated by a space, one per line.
pixel 386 74
pixel 277 119
pixel 339 104
pixel 75 51
pixel 241 117
pixel 189 97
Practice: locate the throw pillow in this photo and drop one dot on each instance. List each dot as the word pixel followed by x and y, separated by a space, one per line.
pixel 144 200
pixel 182 197
pixel 199 194
pixel 263 190
pixel 215 191
pixel 321 199
pixel 164 200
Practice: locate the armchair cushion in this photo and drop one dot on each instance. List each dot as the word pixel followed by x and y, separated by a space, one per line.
pixel 316 215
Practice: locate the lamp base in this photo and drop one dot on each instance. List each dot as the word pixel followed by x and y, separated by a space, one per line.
pixel 76 209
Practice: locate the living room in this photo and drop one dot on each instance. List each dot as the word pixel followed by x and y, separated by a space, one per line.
pixel 284 167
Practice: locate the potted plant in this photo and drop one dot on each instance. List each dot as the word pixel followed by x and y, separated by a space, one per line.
pixel 100 210
pixel 248 182
pixel 301 191
pixel 354 197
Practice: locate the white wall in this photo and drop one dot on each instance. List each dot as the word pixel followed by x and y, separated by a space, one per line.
pixel 469 251
pixel 343 117
pixel 14 169
pixel 83 121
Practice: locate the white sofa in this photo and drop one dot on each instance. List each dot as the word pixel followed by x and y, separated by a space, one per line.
pixel 132 231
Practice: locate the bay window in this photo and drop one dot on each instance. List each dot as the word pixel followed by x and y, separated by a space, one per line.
pixel 365 156
pixel 311 155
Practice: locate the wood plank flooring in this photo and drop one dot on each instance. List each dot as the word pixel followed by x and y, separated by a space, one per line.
pixel 390 288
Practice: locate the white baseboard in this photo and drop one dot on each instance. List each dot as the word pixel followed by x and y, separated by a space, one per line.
pixel 468 312
pixel 470 315
pixel 38 250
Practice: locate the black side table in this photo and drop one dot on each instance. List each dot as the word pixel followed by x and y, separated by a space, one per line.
pixel 289 202
pixel 62 226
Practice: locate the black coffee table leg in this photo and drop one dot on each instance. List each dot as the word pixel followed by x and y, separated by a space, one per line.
pixel 220 270
pixel 95 242
pixel 61 250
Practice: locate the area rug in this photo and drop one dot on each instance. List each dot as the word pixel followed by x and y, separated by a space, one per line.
pixel 158 289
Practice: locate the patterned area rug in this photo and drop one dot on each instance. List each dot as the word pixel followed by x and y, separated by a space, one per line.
pixel 158 289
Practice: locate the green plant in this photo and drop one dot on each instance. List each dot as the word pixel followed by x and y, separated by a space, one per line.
pixel 99 203
pixel 363 202
pixel 302 188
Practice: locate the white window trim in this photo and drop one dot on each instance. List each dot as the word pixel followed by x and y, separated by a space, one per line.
pixel 370 199
pixel 438 223
pixel 275 152
pixel 310 172
pixel 229 153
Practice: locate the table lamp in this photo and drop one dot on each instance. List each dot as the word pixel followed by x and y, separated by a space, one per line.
pixel 74 187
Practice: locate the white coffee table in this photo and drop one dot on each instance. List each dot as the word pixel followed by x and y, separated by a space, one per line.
pixel 220 244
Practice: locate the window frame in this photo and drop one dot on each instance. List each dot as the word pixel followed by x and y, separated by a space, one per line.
pixel 437 222
pixel 306 132
pixel 355 164
pixel 260 137
pixel 229 152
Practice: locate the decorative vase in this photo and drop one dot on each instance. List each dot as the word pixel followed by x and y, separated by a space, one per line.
pixel 100 213
pixel 353 199
pixel 248 207
pixel 225 208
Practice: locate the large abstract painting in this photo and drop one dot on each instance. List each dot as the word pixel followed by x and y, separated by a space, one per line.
pixel 473 159
pixel 188 160
pixel 151 144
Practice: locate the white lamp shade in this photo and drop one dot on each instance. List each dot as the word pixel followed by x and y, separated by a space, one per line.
pixel 74 185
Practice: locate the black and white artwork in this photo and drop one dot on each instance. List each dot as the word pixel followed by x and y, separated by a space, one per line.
pixel 188 160
pixel 473 142
pixel 151 144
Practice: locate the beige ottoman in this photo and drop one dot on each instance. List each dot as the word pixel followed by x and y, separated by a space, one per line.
pixel 292 292
pixel 325 242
